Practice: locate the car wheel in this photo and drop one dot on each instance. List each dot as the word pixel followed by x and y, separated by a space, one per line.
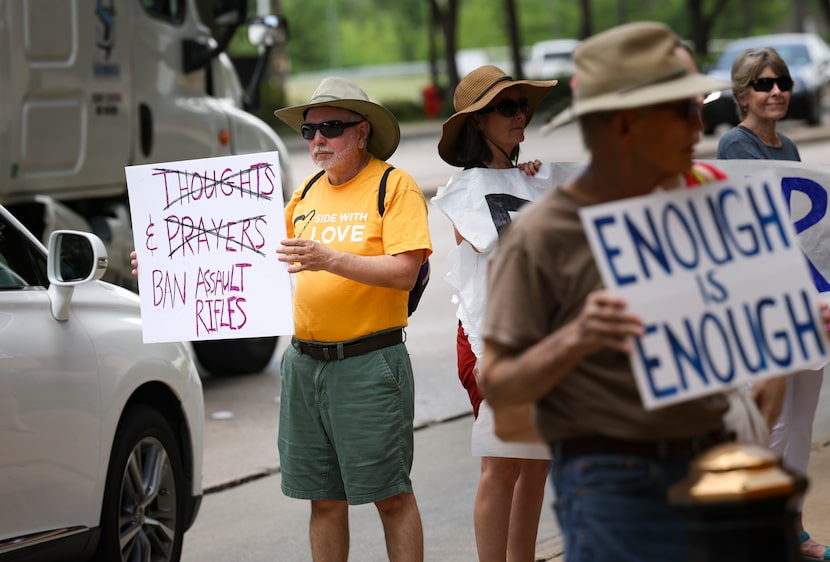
pixel 242 357
pixel 143 513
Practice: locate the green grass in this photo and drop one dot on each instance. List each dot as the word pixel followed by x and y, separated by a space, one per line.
pixel 402 94
pixel 386 89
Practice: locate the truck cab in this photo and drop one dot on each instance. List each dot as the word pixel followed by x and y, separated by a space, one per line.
pixel 92 86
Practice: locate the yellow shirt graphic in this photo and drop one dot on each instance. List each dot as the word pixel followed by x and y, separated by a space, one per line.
pixel 328 307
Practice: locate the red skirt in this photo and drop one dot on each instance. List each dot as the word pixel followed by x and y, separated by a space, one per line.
pixel 466 364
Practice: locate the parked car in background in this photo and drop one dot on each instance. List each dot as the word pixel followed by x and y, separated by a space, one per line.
pixel 101 435
pixel 467 60
pixel 808 58
pixel 551 59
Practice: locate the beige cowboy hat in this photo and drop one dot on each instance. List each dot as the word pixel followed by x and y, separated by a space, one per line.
pixel 339 92
pixel 475 91
pixel 632 65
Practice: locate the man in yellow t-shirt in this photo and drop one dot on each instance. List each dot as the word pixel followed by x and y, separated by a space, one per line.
pixel 347 398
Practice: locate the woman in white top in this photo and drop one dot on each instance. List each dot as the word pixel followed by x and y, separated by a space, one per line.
pixel 483 137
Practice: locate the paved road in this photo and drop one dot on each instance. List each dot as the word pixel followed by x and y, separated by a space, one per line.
pixel 256 523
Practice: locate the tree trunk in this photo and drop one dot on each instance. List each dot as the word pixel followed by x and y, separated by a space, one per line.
pixel 799 12
pixel 824 6
pixel 700 23
pixel 280 59
pixel 622 12
pixel 432 26
pixel 447 20
pixel 515 39
pixel 586 24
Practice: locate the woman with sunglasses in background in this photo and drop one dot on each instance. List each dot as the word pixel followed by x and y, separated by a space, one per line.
pixel 492 111
pixel 762 86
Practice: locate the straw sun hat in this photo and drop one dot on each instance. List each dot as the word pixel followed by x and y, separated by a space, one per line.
pixel 475 91
pixel 632 65
pixel 342 93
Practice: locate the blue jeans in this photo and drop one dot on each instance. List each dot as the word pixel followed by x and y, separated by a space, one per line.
pixel 615 507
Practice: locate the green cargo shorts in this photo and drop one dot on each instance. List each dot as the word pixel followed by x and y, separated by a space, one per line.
pixel 346 428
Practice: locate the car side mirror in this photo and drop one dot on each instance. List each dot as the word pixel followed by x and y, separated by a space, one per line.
pixel 268 31
pixel 74 258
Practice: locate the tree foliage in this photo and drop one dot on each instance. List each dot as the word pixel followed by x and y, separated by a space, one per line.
pixel 340 33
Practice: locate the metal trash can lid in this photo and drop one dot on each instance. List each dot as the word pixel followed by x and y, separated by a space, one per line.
pixel 733 472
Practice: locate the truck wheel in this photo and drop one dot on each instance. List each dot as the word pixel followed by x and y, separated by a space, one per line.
pixel 235 357
pixel 143 513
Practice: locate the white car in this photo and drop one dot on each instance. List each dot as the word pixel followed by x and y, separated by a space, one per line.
pixel 101 436
pixel 551 59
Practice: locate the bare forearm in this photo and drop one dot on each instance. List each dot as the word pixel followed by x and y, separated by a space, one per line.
pixel 512 376
pixel 380 271
pixel 398 271
pixel 517 378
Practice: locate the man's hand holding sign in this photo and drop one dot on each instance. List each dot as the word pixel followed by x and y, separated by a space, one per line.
pixel 205 233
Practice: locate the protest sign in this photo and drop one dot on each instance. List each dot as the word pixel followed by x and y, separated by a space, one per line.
pixel 805 191
pixel 206 233
pixel 481 202
pixel 718 277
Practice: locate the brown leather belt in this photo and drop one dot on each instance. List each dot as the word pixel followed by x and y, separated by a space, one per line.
pixel 655 450
pixel 342 350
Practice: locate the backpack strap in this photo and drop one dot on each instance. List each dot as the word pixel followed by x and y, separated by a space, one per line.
pixel 382 190
pixel 311 182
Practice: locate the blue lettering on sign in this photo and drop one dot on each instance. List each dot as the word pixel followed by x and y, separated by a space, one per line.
pixel 713 347
pixel 611 252
pixel 641 244
pixel 674 216
pixel 670 238
pixel 710 248
pixel 818 210
pixel 771 219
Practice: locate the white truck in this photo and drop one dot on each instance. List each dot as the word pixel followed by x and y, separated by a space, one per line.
pixel 88 87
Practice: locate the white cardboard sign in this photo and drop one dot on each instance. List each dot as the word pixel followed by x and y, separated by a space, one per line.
pixel 718 277
pixel 206 233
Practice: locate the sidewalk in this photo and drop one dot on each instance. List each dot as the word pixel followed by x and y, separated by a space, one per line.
pixel 817 505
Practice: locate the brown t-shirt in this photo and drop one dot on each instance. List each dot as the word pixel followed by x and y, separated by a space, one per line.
pixel 538 282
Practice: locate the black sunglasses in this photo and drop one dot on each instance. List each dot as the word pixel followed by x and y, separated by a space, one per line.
pixel 329 129
pixel 508 107
pixel 785 84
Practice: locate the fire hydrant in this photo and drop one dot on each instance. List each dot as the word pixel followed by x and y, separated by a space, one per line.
pixel 432 100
